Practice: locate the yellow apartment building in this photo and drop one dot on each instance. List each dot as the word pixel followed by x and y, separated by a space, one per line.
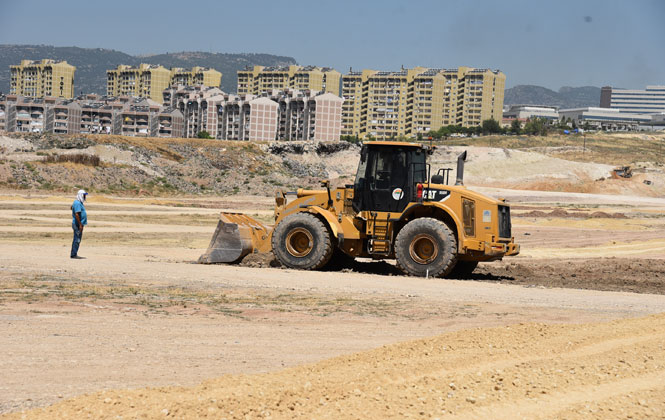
pixel 196 76
pixel 145 80
pixel 39 79
pixel 150 80
pixel 354 108
pixel 412 102
pixel 259 80
pixel 477 95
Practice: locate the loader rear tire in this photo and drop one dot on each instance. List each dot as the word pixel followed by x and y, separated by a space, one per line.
pixel 426 247
pixel 302 241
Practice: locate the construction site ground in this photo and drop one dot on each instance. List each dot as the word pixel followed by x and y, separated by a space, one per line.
pixel 571 328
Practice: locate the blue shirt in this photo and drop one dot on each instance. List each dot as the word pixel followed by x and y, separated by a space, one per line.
pixel 78 207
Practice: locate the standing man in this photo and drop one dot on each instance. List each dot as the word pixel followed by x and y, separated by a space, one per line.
pixel 79 219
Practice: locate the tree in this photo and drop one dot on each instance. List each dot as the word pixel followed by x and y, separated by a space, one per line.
pixel 536 126
pixel 516 126
pixel 491 126
pixel 204 135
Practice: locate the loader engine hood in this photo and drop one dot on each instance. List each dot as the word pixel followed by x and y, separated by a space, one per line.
pixel 462 190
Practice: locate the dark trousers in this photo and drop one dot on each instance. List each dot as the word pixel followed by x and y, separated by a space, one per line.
pixel 78 235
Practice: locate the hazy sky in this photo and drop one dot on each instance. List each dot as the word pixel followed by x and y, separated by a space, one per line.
pixel 548 43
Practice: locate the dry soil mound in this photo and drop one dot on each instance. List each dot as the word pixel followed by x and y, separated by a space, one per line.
pixel 532 170
pixel 193 166
pixel 593 371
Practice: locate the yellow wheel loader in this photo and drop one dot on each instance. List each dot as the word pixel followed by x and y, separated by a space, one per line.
pixel 396 209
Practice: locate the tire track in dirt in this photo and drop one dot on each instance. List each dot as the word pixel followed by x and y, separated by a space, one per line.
pixel 602 370
pixel 577 402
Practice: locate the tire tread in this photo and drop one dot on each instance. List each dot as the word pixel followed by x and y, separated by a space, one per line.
pixel 279 235
pixel 436 225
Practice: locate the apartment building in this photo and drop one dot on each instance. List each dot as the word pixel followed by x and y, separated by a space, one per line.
pixel 221 115
pixel 150 81
pixel 3 113
pixel 90 114
pixel 139 118
pixel 136 117
pixel 197 105
pixel 196 76
pixel 36 115
pixel 479 95
pixel 233 117
pixel 63 117
pixel 308 115
pixel 24 115
pixel 145 80
pixel 389 99
pixel 648 101
pixel 100 116
pixel 170 123
pixel 259 80
pixel 412 102
pixel 355 87
pixel 262 122
pixel 39 79
pixel 278 115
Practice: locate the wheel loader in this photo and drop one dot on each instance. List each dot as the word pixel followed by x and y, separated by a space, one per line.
pixel 396 209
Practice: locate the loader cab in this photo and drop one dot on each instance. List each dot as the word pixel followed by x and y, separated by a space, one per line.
pixel 387 176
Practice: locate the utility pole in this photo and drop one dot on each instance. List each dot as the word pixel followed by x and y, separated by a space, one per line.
pixel 584 150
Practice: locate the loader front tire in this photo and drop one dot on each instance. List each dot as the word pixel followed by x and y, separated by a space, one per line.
pixel 426 247
pixel 302 241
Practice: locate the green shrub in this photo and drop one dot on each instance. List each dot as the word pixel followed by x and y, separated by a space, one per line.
pixel 80 158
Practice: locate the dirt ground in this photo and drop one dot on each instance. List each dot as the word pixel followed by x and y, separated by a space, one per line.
pixel 521 336
pixel 588 371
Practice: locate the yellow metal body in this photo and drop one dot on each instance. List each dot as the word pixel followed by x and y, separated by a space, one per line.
pixel 354 229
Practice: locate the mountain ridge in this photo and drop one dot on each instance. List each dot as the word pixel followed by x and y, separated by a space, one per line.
pixel 566 97
pixel 92 63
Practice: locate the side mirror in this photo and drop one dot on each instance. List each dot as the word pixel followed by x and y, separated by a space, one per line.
pixel 437 179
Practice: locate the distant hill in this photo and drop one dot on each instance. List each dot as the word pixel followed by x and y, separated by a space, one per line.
pixel 92 63
pixel 566 97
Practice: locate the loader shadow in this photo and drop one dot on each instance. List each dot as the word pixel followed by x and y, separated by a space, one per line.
pixel 341 264
pixel 488 277
pixel 388 269
pixel 363 267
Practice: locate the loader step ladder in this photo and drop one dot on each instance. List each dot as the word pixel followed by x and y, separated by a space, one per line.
pixel 380 232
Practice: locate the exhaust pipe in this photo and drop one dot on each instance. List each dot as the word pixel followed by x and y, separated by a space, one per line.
pixel 460 168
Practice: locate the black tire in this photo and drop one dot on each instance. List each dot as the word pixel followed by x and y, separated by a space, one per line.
pixel 426 247
pixel 302 241
pixel 462 270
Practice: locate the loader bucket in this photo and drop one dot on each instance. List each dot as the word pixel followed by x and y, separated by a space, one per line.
pixel 236 236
